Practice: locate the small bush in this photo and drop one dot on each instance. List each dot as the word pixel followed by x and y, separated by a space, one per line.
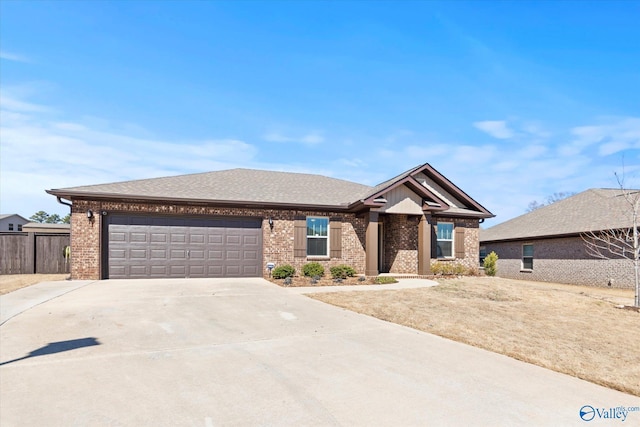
pixel 448 269
pixel 490 264
pixel 283 271
pixel 313 269
pixel 362 279
pixel 385 280
pixel 342 271
pixel 288 281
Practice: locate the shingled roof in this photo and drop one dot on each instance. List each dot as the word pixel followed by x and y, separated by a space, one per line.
pixel 233 185
pixel 261 187
pixel 591 210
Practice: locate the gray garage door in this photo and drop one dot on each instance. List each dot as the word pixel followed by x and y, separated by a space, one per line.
pixel 145 247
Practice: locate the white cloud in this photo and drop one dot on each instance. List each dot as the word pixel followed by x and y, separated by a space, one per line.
pixel 311 138
pixel 9 56
pixel 495 128
pixel 41 153
pixel 611 136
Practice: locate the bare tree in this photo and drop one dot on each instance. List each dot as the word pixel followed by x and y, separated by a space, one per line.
pixel 555 197
pixel 620 243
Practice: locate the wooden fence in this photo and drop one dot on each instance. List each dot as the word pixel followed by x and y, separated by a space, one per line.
pixel 28 253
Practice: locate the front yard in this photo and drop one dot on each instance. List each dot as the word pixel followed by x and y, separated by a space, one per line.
pixel 571 329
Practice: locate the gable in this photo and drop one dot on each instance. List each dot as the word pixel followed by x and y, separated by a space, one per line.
pixel 401 200
pixel 439 191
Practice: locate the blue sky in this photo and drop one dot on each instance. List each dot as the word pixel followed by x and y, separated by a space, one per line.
pixel 512 101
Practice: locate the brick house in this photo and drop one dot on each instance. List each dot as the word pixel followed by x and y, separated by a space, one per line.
pixel 546 244
pixel 234 222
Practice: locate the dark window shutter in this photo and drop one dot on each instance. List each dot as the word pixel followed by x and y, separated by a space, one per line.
pixel 434 241
pixel 459 242
pixel 335 233
pixel 300 238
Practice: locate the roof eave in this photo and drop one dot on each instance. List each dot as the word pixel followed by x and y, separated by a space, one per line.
pixel 224 203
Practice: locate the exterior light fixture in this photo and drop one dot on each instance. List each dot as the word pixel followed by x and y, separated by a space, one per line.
pixel 89 214
pixel 271 223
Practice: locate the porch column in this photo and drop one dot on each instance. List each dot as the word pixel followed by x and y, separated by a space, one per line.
pixel 371 245
pixel 424 245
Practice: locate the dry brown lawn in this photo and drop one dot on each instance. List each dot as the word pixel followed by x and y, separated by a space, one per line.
pixel 12 282
pixel 570 329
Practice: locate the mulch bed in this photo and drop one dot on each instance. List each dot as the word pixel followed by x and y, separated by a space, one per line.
pixel 301 281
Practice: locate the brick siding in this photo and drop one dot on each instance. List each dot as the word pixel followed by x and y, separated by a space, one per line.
pixel 562 260
pixel 401 235
pixel 277 242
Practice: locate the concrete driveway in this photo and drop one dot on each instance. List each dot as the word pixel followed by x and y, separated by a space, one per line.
pixel 242 352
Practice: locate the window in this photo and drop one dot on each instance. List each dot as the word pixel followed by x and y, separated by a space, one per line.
pixel 483 255
pixel 527 257
pixel 19 227
pixel 317 236
pixel 445 240
pixel 10 227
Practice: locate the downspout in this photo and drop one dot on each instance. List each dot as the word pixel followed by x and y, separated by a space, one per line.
pixel 70 209
pixel 64 203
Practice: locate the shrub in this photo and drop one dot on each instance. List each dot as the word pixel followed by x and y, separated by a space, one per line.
pixel 448 268
pixel 313 269
pixel 288 281
pixel 283 271
pixel 362 279
pixel 384 280
pixel 342 271
pixel 490 264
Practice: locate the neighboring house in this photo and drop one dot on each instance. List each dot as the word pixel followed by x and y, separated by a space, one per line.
pixel 43 227
pixel 235 222
pixel 12 222
pixel 546 244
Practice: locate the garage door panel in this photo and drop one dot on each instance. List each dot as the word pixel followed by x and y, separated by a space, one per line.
pixel 139 246
pixel 158 271
pixel 157 237
pixel 158 254
pixel 197 239
pixel 138 254
pixel 139 270
pixel 117 254
pixel 118 236
pixel 250 255
pixel 179 237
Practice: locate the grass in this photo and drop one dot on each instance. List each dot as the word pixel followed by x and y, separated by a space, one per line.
pixel 12 282
pixel 570 329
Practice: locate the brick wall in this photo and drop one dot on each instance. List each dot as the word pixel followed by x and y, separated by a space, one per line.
pixel 85 240
pixel 401 242
pixel 471 228
pixel 277 242
pixel 562 260
pixel 401 235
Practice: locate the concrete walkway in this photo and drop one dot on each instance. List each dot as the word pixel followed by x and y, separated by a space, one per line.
pixel 21 300
pixel 246 352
